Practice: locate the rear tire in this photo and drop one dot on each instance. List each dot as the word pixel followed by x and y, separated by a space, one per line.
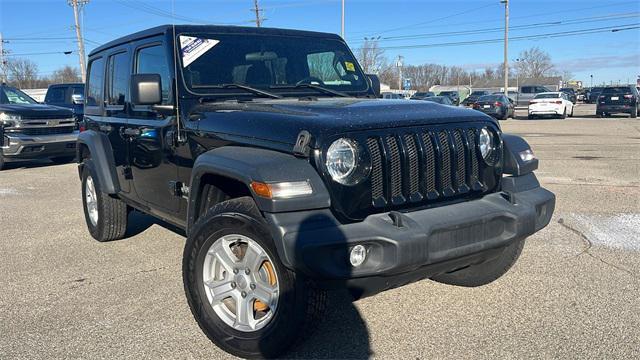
pixel 531 117
pixel 564 113
pixel 106 217
pixel 299 304
pixel 485 273
pixel 571 114
pixel 634 113
pixel 1 161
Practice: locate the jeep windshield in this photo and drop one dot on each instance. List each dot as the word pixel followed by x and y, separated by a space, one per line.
pixel 274 63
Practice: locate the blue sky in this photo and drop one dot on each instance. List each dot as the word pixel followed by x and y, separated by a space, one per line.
pixel 46 26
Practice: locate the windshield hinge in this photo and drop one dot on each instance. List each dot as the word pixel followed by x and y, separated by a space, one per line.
pixel 301 148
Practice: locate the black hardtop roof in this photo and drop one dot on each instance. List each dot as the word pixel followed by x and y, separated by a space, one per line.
pixel 163 29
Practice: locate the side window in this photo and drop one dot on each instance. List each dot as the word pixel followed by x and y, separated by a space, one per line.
pixel 153 60
pixel 117 80
pixel 95 82
pixel 526 90
pixel 55 96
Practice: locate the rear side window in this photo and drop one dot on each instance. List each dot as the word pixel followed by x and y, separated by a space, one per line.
pixel 118 79
pixel 153 60
pixel 55 95
pixel 95 82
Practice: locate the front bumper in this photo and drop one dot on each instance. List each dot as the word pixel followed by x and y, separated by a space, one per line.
pixel 420 244
pixel 21 146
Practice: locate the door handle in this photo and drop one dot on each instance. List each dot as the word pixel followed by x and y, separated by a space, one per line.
pixel 131 132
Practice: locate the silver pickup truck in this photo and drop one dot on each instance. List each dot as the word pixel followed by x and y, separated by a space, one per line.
pixel 29 130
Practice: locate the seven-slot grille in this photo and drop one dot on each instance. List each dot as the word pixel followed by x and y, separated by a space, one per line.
pixel 412 167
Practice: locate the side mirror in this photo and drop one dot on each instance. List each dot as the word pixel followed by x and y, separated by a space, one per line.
pixel 146 89
pixel 77 99
pixel 374 80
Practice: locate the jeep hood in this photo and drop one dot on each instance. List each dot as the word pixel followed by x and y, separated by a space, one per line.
pixel 281 121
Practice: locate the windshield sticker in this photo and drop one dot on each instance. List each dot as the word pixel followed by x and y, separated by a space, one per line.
pixel 349 66
pixel 192 48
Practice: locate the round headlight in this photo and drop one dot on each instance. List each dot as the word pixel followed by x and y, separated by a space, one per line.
pixel 486 143
pixel 342 160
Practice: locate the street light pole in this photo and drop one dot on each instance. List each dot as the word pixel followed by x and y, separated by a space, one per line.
pixel 342 23
pixel 506 46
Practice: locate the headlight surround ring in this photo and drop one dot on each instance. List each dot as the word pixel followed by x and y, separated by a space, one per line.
pixel 346 162
pixel 487 145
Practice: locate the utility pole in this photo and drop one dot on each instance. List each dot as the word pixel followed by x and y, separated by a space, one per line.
pixel 399 65
pixel 506 46
pixel 3 65
pixel 76 4
pixel 342 28
pixel 257 10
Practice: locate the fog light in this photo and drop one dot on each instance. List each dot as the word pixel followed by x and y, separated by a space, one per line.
pixel 358 255
pixel 527 155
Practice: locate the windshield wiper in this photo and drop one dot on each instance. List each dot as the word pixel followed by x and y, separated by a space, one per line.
pixel 249 89
pixel 311 86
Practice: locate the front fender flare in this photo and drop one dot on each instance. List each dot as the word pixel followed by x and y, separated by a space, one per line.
pixel 102 157
pixel 513 164
pixel 250 164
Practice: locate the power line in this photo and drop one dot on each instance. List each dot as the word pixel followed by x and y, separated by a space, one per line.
pixel 616 28
pixel 149 9
pixel 543 14
pixel 517 27
pixel 68 52
pixel 431 21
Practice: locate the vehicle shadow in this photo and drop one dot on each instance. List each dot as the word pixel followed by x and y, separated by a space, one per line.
pixel 140 222
pixel 28 164
pixel 341 332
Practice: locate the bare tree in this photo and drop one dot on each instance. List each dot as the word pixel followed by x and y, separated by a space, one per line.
pixel 535 63
pixel 22 73
pixel 66 74
pixel 371 57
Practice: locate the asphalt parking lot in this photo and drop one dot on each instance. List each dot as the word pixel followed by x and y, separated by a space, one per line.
pixel 575 292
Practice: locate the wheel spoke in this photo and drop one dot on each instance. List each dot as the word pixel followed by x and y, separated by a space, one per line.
pixel 224 256
pixel 220 289
pixel 253 258
pixel 265 293
pixel 244 312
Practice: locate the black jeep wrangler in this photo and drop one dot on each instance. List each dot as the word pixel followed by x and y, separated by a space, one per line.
pixel 289 176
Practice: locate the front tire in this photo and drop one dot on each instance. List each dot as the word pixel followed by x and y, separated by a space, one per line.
pixel 224 296
pixel 485 273
pixel 106 217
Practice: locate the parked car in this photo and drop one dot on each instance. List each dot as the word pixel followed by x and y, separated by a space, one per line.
pixel 29 130
pixel 289 182
pixel 594 94
pixel 571 94
pixel 390 95
pixel 453 96
pixel 497 105
pixel 528 92
pixel 618 99
pixel 422 95
pixel 550 104
pixel 473 97
pixel 444 100
pixel 69 95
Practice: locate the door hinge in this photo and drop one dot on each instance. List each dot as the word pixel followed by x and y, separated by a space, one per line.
pixel 179 189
